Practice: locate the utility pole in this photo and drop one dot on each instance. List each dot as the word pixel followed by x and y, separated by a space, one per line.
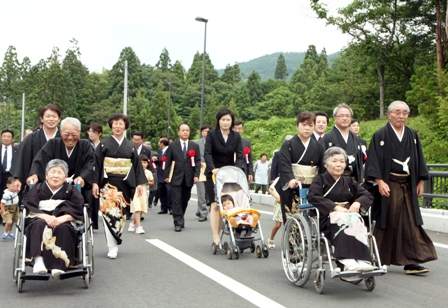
pixel 125 92
pixel 169 109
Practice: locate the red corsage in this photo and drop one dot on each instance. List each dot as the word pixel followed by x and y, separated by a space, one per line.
pixel 163 162
pixel 246 154
pixel 192 154
pixel 152 164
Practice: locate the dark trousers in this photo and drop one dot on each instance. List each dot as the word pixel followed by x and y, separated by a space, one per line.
pixel 164 191
pixel 181 195
pixel 153 197
pixel 263 188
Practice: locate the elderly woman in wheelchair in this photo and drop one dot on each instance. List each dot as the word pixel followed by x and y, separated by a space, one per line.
pixel 331 212
pixel 54 213
pixel 340 201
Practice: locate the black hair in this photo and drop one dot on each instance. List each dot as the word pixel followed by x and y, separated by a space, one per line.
pixel 222 112
pixel 323 114
pixel 8 131
pixel 138 133
pixel 205 126
pixel 224 198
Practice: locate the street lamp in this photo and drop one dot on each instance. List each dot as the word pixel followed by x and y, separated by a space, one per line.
pixel 203 68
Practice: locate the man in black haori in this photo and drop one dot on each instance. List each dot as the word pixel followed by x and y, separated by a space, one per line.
pixel 396 165
pixel 342 137
pixel 79 156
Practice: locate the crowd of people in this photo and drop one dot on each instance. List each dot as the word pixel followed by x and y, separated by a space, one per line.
pixel 122 178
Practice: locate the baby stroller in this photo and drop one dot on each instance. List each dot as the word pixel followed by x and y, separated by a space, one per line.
pixel 232 181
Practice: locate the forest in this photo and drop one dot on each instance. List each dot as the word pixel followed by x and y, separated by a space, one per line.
pixel 398 51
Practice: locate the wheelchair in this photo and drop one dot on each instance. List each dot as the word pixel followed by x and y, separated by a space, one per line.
pixel 305 248
pixel 84 251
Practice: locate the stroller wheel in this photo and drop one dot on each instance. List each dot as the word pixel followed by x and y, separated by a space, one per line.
pixel 214 248
pixel 230 252
pixel 258 251
pixel 225 246
pixel 265 251
pixel 252 247
pixel 236 253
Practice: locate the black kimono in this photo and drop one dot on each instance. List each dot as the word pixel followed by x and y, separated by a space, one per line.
pixel 290 153
pixel 80 163
pixel 401 239
pixel 346 231
pixel 125 184
pixel 45 241
pixel 28 150
pixel 352 147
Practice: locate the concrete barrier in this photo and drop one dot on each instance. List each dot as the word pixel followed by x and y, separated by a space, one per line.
pixel 433 219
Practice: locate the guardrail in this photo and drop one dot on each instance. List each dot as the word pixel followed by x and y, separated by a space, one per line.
pixel 436 187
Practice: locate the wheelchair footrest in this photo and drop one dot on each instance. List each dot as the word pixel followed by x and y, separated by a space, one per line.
pixel 362 275
pixel 36 277
pixel 73 273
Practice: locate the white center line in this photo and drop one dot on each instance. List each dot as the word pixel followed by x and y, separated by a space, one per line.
pixel 247 293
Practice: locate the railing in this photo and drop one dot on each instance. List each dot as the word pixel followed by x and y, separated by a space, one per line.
pixel 436 187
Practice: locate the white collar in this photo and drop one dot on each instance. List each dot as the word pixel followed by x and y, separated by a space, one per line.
pixel 51 137
pixel 345 137
pixel 71 152
pixel 118 141
pixel 400 137
pixel 317 135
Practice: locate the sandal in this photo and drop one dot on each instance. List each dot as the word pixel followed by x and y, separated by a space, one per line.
pixel 271 244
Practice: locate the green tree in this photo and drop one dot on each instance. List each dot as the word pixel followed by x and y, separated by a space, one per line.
pixel 139 112
pixel 231 74
pixel 194 121
pixel 254 87
pixel 158 116
pixel 194 74
pixel 164 62
pixel 281 72
pixel 179 71
pixel 116 78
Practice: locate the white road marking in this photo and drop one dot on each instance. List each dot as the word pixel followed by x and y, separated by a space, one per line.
pixel 441 245
pixel 247 293
pixel 271 213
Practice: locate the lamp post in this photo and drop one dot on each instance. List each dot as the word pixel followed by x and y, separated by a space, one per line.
pixel 203 68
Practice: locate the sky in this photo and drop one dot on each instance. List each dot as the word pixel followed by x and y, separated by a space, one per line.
pixel 237 31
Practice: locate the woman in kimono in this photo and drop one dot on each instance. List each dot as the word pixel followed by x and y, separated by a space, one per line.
pixel 300 149
pixel 53 208
pixel 119 173
pixel 340 200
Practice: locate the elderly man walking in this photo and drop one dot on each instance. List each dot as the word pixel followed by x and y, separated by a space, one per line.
pixel 397 168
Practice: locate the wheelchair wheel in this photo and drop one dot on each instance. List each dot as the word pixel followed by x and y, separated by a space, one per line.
pixel 370 283
pixel 16 261
pixel 19 282
pixel 297 250
pixel 90 256
pixel 87 278
pixel 319 283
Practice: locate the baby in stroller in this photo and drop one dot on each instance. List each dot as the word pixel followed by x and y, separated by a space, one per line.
pixel 237 216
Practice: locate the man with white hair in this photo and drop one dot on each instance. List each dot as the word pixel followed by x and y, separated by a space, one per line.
pixel 77 153
pixel 397 168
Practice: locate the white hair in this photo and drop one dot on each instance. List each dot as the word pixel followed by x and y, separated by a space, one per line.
pixel 72 121
pixel 395 103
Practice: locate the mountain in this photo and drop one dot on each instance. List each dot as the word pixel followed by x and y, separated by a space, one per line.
pixel 265 65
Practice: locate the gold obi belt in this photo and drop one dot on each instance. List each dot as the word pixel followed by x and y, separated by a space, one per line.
pixel 304 174
pixel 117 166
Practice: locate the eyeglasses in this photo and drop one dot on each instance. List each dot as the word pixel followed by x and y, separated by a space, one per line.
pixel 400 113
pixel 70 134
pixel 343 116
